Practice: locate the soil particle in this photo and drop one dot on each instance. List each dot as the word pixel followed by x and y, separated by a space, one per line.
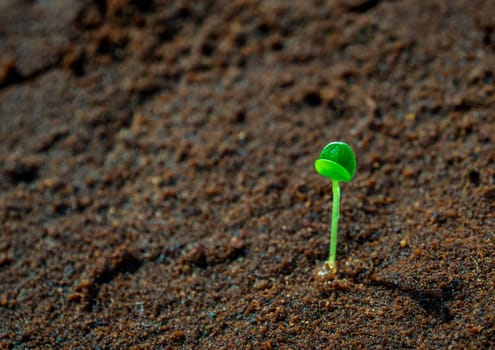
pixel 23 169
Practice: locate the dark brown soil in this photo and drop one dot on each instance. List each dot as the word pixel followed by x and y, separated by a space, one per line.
pixel 157 182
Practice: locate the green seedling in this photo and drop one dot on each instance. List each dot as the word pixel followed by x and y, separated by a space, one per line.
pixel 337 162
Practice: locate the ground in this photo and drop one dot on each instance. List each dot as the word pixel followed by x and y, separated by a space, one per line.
pixel 157 188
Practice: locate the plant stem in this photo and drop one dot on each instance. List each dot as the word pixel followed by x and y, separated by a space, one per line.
pixel 335 221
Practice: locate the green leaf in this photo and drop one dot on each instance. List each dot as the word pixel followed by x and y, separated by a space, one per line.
pixel 337 162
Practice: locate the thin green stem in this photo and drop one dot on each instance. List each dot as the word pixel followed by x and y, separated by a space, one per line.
pixel 335 222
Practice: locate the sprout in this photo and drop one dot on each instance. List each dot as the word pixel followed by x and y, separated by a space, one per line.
pixel 338 163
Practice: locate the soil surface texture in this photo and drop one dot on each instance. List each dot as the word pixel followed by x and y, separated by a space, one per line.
pixel 157 188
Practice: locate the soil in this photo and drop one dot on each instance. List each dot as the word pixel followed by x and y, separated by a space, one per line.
pixel 157 188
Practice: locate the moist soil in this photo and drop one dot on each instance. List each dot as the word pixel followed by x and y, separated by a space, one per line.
pixel 157 181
